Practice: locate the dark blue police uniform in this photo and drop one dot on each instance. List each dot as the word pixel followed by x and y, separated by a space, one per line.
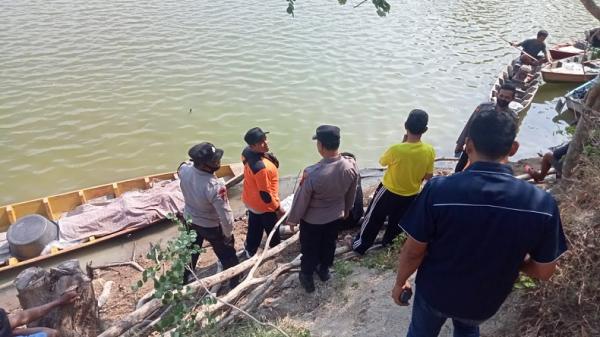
pixel 479 226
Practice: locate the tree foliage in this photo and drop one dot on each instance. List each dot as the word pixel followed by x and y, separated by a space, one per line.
pixel 382 7
pixel 167 273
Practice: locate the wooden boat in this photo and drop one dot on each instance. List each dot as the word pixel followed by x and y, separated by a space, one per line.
pixel 53 207
pixel 574 99
pixel 573 69
pixel 526 88
pixel 565 50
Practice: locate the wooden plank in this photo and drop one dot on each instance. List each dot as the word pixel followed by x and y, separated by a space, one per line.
pixel 224 172
pixel 162 176
pixel 131 185
pixel 99 191
pixel 29 207
pixel 48 209
pixel 5 218
pixel 116 191
pixel 82 197
pixel 63 203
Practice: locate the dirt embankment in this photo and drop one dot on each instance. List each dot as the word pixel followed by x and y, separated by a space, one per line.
pixel 356 302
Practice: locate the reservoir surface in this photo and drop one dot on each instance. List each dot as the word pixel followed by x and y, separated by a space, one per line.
pixel 98 91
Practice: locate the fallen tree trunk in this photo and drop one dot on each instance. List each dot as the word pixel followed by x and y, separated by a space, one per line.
pixel 36 286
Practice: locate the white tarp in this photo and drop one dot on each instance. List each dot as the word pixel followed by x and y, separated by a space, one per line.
pixel 132 209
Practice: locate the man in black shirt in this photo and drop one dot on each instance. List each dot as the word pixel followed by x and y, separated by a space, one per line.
pixel 533 47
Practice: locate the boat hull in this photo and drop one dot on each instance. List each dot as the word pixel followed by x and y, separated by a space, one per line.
pixel 571 70
pixel 564 51
pixel 525 93
pixel 550 76
pixel 53 207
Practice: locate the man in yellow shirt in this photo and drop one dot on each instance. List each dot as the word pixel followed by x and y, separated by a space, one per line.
pixel 408 164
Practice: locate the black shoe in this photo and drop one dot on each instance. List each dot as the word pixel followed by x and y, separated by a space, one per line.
pixel 307 282
pixel 323 274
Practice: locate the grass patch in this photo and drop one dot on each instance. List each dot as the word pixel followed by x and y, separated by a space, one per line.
pixel 524 282
pixel 342 268
pixel 386 258
pixel 248 328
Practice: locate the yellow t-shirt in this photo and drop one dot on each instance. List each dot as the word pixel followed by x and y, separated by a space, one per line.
pixel 407 164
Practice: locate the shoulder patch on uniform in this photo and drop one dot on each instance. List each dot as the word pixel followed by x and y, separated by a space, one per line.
pixel 222 193
pixel 304 176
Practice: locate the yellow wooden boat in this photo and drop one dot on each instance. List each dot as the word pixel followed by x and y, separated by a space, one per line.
pixel 53 207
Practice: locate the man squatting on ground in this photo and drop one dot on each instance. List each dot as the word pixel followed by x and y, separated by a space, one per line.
pixel 409 163
pixel 324 198
pixel 469 235
pixel 207 206
pixel 505 95
pixel 261 190
pixel 555 159
pixel 9 324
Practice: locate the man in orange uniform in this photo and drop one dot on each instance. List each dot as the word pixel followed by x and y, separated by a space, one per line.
pixel 261 190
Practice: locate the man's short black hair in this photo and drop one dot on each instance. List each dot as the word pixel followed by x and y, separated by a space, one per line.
pixel 542 33
pixel 493 133
pixel 416 122
pixel 510 87
pixel 330 144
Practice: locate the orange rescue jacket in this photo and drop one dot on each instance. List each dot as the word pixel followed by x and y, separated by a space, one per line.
pixel 261 181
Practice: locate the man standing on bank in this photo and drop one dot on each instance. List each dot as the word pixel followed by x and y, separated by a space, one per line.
pixel 505 95
pixel 469 235
pixel 207 205
pixel 261 190
pixel 323 199
pixel 408 164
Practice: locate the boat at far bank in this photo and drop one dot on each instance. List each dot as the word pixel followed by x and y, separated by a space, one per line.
pixel 574 99
pixel 565 50
pixel 55 207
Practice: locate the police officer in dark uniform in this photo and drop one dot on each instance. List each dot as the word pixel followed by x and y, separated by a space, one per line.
pixel 505 95
pixel 324 198
pixel 207 205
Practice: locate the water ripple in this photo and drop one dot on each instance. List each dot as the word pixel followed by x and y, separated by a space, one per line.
pixel 96 91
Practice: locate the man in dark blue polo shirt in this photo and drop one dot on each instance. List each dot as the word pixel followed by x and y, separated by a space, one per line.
pixel 469 235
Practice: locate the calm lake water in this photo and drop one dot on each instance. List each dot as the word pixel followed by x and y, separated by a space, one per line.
pixel 97 91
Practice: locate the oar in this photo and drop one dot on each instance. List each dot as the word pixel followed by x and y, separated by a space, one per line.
pixel 519 49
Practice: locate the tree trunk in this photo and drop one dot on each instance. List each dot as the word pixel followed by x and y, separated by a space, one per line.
pixel 576 147
pixel 36 287
pixel 591 7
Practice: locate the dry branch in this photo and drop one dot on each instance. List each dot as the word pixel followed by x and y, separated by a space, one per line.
pixel 105 294
pixel 153 305
pixel 132 264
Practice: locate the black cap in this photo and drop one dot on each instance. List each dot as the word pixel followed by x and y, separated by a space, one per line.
pixel 327 133
pixel 205 153
pixel 254 136
pixel 417 121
